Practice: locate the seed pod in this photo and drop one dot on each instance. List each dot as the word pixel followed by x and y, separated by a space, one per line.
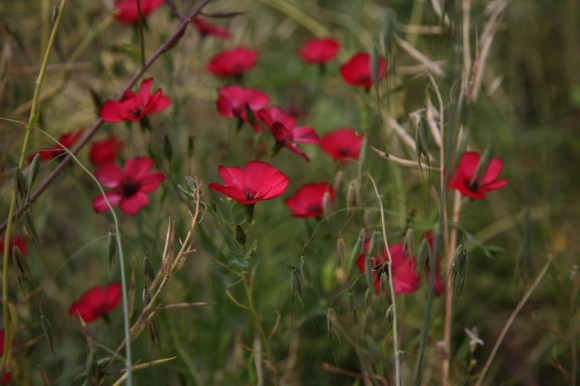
pixel 459 270
pixel 353 194
pixel 352 306
pixel 326 204
pixel 338 181
pixel 305 274
pixel 148 268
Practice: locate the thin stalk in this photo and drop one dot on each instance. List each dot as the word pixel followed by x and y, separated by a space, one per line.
pixel 448 292
pixel 391 287
pixel 140 24
pixel 32 119
pixel 511 319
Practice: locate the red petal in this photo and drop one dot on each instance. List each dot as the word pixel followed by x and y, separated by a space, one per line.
pixel 110 175
pixel 133 204
pixel 231 192
pixel 493 170
pixel 100 205
pixel 137 168
pixel 111 110
pixel 151 181
pixel 233 177
pixel 145 91
pixel 305 135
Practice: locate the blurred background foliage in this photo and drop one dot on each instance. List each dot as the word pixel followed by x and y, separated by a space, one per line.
pixel 529 109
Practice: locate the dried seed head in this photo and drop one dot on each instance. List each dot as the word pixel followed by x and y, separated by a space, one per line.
pixel 326 203
pixel 353 194
pixel 338 181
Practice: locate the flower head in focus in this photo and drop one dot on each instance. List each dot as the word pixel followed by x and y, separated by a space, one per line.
pixel 308 201
pixel 358 70
pixel 208 29
pixel 405 277
pixel 343 145
pixel 475 186
pixel 285 131
pixel 97 302
pixel 235 101
pixel 129 186
pixel 232 62
pixel 127 11
pixel 65 142
pixel 134 107
pixel 258 181
pixel 319 51
pixel 105 151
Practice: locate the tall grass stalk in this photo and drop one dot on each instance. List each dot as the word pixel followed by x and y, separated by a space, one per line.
pixel 391 286
pixel 32 121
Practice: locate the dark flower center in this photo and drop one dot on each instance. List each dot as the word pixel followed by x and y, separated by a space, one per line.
pixel 364 78
pixel 129 188
pixel 250 195
pixel 136 112
pixel 473 185
pixel 344 152
pixel 315 208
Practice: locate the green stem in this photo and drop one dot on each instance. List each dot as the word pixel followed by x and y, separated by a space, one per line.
pixel 32 120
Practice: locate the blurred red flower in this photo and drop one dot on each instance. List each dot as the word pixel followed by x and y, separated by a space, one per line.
pixel 358 72
pixel 206 28
pixel 405 277
pixel 133 107
pixel 258 181
pixel 126 11
pixel 285 132
pixel 232 62
pixel 97 302
pixel 16 241
pixel 6 377
pixel 320 50
pixel 343 144
pixel 105 151
pixel 474 186
pixel 66 141
pixel 233 102
pixel 129 186
pixel 308 200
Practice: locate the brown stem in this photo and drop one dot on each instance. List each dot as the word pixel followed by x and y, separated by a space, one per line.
pixel 167 45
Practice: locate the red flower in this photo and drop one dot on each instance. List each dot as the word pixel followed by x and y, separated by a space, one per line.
pixel 473 186
pixel 2 335
pixel 6 376
pixel 16 241
pixel 126 11
pixel 259 181
pixel 129 186
pixel 206 28
pixel 233 102
pixel 358 72
pixel 233 62
pixel 284 131
pixel 105 151
pixel 319 50
pixel 343 144
pixel 308 200
pixel 133 107
pixel 405 277
pixel 51 152
pixel 97 302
